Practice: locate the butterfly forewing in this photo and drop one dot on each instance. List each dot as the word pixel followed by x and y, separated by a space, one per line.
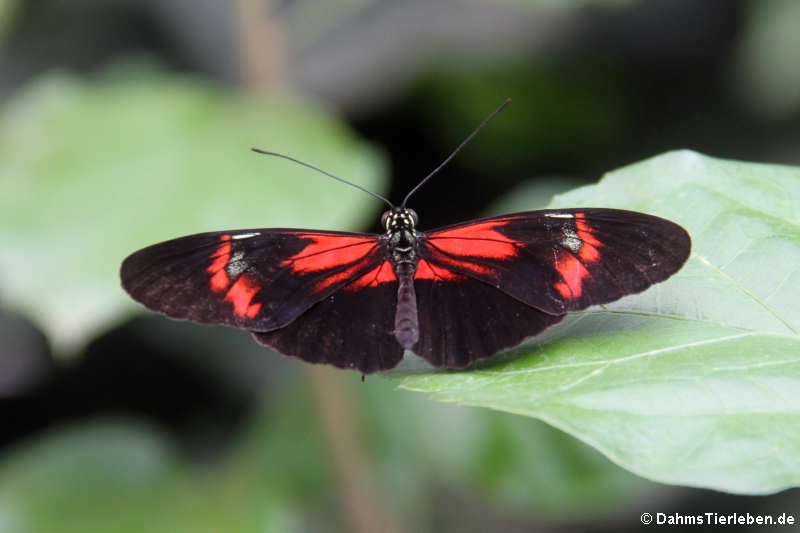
pixel 258 280
pixel 562 260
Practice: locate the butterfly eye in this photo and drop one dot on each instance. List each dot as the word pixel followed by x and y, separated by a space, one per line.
pixel 384 218
pixel 414 217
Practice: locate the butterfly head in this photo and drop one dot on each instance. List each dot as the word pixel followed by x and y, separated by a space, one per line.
pixel 398 219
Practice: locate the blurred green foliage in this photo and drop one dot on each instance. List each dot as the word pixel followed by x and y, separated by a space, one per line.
pixel 567 4
pixel 123 475
pixel 8 11
pixel 767 73
pixel 93 170
pixel 593 106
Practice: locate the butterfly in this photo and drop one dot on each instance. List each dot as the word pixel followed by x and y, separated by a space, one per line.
pixel 453 295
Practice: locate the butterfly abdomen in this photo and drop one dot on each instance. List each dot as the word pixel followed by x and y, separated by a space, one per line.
pixel 406 321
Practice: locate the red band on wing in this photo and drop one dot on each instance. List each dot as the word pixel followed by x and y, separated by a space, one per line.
pixel 240 295
pixel 328 251
pixel 589 243
pixel 479 239
pixel 219 278
pixel 460 247
pixel 585 230
pixel 339 276
pixel 426 270
pixel 572 268
pixel 573 273
pixel 383 273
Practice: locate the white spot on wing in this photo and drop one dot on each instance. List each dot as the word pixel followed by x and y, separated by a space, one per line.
pixel 571 239
pixel 246 235
pixel 236 265
pixel 574 245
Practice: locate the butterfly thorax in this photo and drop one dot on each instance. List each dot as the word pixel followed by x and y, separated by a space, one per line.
pixel 399 224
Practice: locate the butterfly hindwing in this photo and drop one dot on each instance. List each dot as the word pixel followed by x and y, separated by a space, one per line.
pixel 352 328
pixel 258 279
pixel 562 260
pixel 463 320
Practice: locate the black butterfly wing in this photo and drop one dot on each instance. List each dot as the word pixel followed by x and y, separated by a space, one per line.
pixel 352 328
pixel 463 320
pixel 562 260
pixel 259 280
pixel 488 284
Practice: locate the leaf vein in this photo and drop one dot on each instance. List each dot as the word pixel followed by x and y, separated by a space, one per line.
pixel 753 366
pixel 742 288
pixel 765 214
pixel 604 363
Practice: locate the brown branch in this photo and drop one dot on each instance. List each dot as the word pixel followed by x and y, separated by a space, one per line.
pixel 260 45
pixel 361 499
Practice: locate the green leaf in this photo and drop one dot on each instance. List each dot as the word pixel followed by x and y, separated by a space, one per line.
pixel 697 380
pixel 93 170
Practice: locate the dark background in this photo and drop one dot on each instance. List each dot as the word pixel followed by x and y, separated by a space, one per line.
pixel 595 86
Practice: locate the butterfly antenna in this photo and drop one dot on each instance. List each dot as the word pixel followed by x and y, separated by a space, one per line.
pixel 458 149
pixel 312 167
